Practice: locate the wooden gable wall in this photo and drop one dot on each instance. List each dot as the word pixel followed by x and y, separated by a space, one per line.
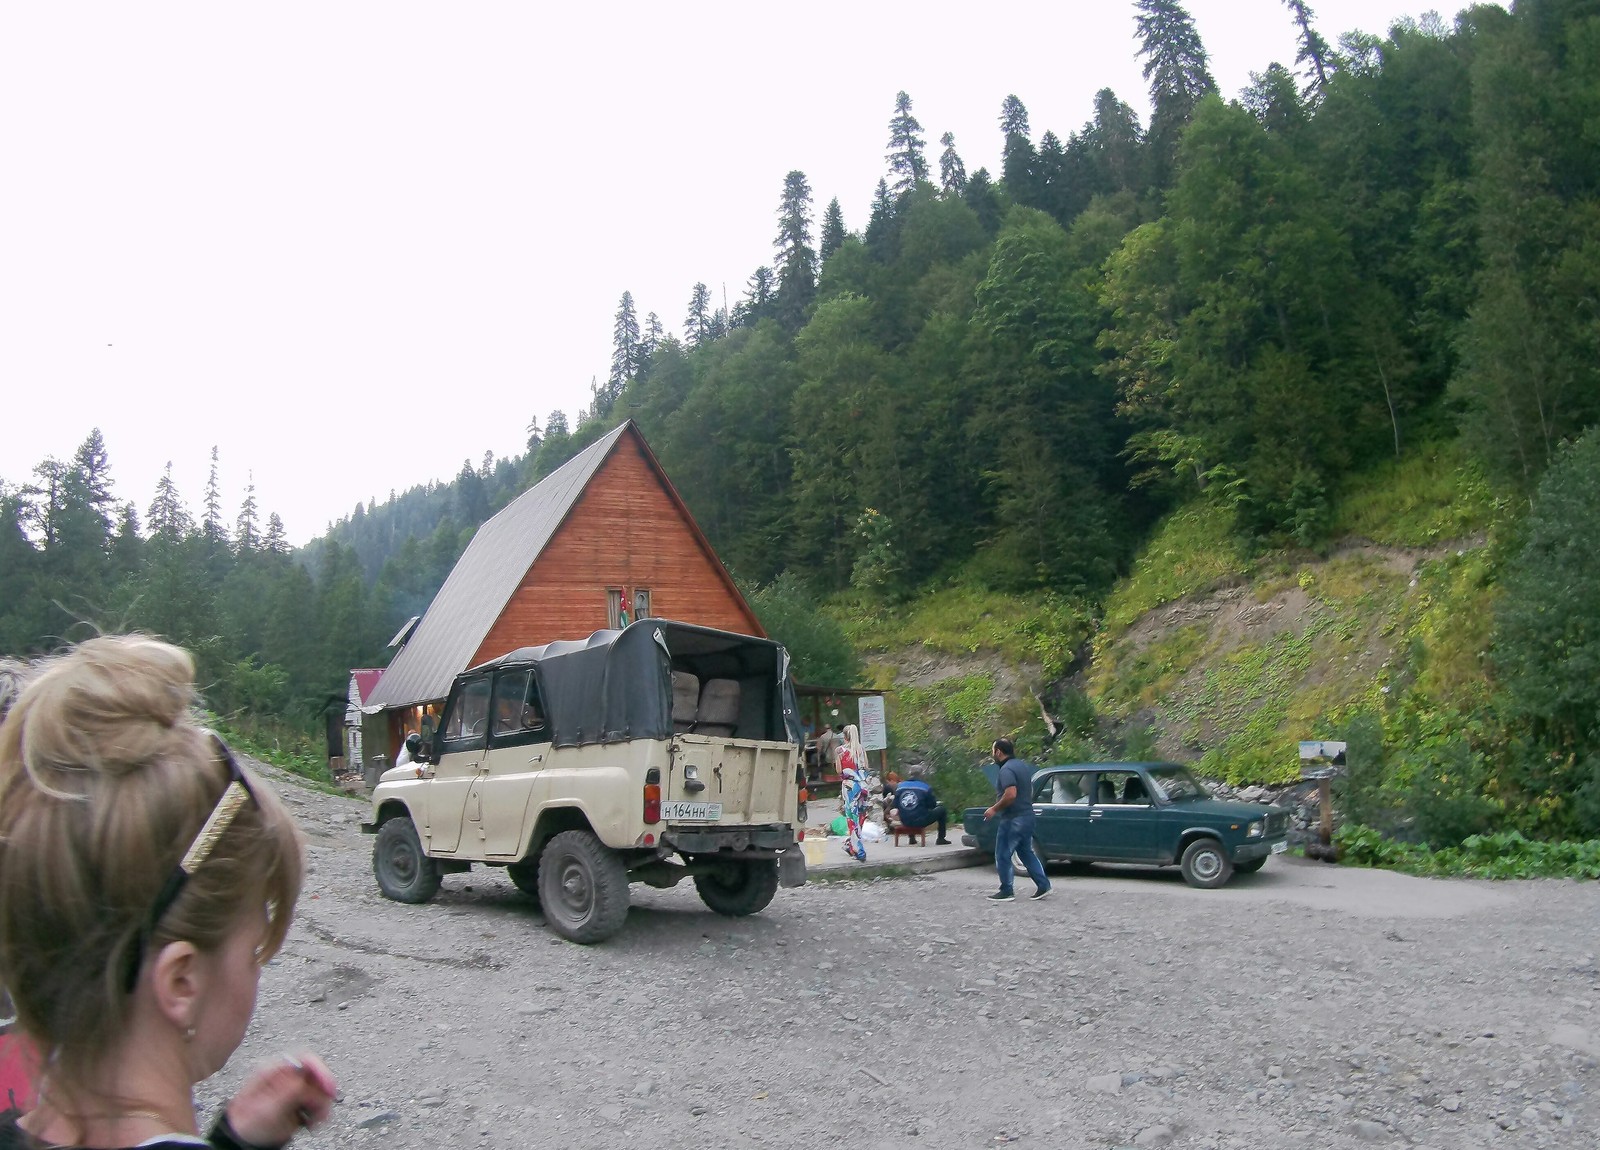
pixel 628 531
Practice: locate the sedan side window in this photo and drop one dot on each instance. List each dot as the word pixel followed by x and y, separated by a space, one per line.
pixel 1067 790
pixel 1122 788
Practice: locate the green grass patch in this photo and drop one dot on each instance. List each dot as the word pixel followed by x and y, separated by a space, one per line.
pixel 1507 855
pixel 283 746
pixel 1145 676
pixel 960 708
pixel 1427 497
pixel 964 619
pixel 1193 551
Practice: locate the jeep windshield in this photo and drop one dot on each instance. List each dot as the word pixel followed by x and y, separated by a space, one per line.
pixel 1175 783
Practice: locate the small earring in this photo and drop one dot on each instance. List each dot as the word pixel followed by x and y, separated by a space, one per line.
pixel 188 1035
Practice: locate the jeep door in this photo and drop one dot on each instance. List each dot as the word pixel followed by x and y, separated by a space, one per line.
pixel 519 743
pixel 1061 814
pixel 459 749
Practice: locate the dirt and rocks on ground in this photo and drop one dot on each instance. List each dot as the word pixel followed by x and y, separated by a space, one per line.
pixel 1304 1005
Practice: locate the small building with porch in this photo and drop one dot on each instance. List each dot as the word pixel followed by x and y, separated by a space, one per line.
pixel 603 540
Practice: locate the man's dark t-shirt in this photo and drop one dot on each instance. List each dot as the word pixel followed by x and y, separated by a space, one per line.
pixel 1016 773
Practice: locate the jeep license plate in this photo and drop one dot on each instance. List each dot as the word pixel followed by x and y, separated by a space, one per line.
pixel 1279 848
pixel 678 811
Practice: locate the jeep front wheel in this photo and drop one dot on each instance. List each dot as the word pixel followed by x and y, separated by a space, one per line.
pixel 738 888
pixel 583 887
pixel 403 871
pixel 1206 864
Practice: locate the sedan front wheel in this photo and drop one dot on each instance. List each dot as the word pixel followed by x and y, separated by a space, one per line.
pixel 1206 864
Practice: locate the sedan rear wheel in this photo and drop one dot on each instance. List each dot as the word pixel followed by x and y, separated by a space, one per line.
pixel 1206 864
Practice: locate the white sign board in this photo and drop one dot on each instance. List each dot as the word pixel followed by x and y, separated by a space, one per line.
pixel 1322 751
pixel 874 730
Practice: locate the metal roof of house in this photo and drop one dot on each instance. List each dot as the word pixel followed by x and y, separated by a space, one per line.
pixel 365 679
pixel 483 581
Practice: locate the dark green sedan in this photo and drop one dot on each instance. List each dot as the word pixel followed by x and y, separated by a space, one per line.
pixel 1151 813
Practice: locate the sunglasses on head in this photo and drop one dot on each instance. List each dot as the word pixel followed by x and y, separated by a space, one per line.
pixel 234 796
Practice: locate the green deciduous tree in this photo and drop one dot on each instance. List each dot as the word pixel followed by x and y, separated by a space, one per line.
pixel 1547 634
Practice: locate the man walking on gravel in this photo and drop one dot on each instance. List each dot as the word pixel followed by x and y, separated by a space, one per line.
pixel 1014 835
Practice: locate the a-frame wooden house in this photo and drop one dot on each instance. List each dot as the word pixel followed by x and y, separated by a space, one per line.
pixel 603 534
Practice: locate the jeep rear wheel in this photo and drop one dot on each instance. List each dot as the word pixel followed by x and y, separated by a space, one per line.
pixel 1206 864
pixel 583 887
pixel 403 871
pixel 738 888
pixel 525 877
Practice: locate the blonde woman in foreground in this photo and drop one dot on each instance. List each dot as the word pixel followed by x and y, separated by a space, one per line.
pixel 145 878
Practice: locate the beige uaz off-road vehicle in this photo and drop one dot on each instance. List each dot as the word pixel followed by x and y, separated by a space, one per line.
pixel 652 754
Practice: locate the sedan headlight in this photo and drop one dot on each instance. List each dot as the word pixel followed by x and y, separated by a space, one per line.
pixel 1253 831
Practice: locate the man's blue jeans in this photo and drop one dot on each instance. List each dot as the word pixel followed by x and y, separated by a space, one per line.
pixel 1015 837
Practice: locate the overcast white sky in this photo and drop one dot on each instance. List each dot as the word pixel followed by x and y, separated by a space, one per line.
pixel 352 244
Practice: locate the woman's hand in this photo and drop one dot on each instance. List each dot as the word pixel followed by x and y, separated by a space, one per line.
pixel 280 1098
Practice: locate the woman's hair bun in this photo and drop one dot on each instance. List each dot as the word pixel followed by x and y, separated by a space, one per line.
pixel 113 704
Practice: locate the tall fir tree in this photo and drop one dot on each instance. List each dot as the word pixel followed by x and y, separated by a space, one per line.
pixel 624 356
pixel 1018 159
pixel 761 290
pixel 880 224
pixel 276 540
pixel 246 528
pixel 952 172
pixel 1314 55
pixel 796 258
pixel 168 518
pixel 1179 74
pixel 907 162
pixel 649 340
pixel 833 233
pixel 211 527
pixel 697 323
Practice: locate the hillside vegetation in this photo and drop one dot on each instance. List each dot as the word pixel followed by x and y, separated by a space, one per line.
pixel 1268 417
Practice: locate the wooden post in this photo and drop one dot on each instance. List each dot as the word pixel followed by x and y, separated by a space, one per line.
pixel 1325 802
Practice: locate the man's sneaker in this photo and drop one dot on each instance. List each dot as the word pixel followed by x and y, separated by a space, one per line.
pixel 1002 896
pixel 941 842
pixel 1038 894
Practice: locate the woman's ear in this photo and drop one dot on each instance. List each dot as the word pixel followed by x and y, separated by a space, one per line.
pixel 177 980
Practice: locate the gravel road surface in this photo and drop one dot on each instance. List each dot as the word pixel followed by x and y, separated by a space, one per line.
pixel 1304 1005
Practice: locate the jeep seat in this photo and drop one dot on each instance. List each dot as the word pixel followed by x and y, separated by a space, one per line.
pixel 685 700
pixel 719 708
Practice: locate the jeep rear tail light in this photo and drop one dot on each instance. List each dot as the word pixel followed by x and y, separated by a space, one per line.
pixel 652 796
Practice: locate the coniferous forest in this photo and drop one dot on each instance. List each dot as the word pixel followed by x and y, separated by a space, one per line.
pixel 1009 378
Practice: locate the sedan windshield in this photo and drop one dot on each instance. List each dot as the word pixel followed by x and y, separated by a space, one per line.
pixel 1175 783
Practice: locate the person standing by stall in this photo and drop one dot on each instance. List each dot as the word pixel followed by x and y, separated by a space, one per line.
pixel 853 792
